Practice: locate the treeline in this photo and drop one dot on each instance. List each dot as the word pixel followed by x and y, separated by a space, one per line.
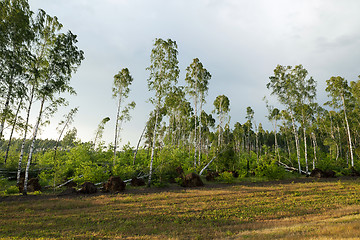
pixel 38 60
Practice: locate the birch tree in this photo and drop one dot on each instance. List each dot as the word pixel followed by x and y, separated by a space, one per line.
pixel 58 62
pixel 274 117
pixel 100 130
pixel 121 90
pixel 164 73
pixel 45 29
pixel 14 124
pixel 222 108
pixel 304 108
pixel 292 89
pixel 207 122
pixel 238 133
pixel 15 38
pixel 63 125
pixel 339 91
pixel 197 79
pixel 250 117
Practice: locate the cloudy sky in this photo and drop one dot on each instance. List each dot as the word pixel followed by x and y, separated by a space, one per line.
pixel 239 42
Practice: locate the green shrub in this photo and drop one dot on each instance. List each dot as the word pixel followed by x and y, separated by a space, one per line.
pixel 270 170
pixel 124 171
pixel 12 190
pixel 226 177
pixel 159 184
pixel 46 178
pixel 91 172
pixel 3 183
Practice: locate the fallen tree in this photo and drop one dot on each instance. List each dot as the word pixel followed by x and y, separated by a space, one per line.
pixel 291 169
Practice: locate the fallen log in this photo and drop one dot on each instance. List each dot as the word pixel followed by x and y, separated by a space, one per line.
pixel 291 169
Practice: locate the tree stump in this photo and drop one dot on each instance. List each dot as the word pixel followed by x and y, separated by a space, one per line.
pixel 137 182
pixel 114 184
pixel 88 188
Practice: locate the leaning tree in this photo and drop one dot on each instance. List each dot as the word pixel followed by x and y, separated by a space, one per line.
pixel 164 73
pixel 339 91
pixel 15 39
pixel 197 79
pixel 59 60
pixel 294 90
pixel 121 89
pixel 222 108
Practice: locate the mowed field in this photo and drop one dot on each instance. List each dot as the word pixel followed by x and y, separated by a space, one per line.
pixel 299 209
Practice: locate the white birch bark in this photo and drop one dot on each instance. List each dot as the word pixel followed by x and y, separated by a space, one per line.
pixel 315 146
pixel 25 133
pixel 296 141
pixel 12 131
pixel 5 110
pixel 117 128
pixel 305 149
pixel 138 144
pixel 200 145
pixel 33 146
pixel 276 143
pixel 348 132
pixel 153 148
pixel 195 131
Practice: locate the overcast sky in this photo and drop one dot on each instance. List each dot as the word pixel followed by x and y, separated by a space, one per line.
pixel 239 43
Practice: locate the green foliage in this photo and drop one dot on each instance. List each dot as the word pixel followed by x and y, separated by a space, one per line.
pixel 91 172
pixel 348 171
pixel 81 160
pixel 45 178
pixel 270 169
pixel 12 190
pixel 226 177
pixel 227 159
pixel 124 171
pixel 3 183
pixel 168 160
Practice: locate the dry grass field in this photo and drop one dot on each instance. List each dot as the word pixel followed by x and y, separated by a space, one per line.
pixel 303 209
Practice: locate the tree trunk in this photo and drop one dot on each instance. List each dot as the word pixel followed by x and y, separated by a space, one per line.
pixel 5 110
pixel 33 146
pixel 116 128
pixel 200 110
pixel 348 133
pixel 207 165
pixel 56 148
pixel 25 133
pixel 195 132
pixel 153 147
pixel 12 131
pixel 276 143
pixel 138 144
pixel 315 145
pixel 296 141
pixel 59 138
pixel 332 129
pixel 256 144
pixel 305 149
pixel 288 148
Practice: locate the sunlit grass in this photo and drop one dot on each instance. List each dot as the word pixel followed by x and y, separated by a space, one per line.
pixel 255 211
